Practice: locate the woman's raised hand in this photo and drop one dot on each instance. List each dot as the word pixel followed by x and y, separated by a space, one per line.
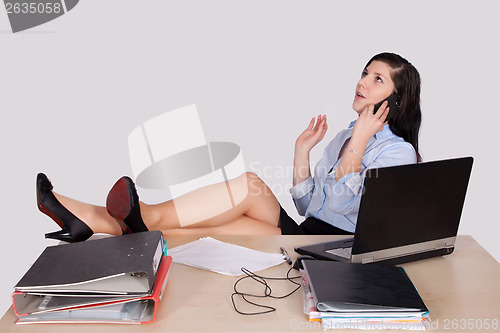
pixel 368 124
pixel 313 134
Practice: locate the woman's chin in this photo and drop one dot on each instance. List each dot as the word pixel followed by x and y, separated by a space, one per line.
pixel 356 109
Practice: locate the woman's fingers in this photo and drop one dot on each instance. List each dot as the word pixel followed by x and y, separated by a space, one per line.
pixel 380 114
pixel 323 130
pixel 367 110
pixel 322 127
pixel 316 129
pixel 385 114
pixel 381 109
pixel 318 122
pixel 311 124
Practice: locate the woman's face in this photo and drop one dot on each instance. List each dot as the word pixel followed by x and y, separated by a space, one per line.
pixel 374 86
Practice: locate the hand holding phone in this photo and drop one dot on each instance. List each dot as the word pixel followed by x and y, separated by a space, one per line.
pixel 393 104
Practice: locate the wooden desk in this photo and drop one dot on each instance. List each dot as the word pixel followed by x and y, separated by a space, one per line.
pixel 455 288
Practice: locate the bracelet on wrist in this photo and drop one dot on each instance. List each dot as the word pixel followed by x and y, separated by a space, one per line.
pixel 354 152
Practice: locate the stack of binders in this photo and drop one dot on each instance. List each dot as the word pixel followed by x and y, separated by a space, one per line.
pixel 109 280
pixel 355 296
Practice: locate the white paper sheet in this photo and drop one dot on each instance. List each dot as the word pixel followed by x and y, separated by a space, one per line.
pixel 224 258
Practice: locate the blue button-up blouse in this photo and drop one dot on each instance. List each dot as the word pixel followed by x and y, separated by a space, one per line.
pixel 337 202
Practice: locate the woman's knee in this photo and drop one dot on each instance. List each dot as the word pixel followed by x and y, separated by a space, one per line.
pixel 256 186
pixel 251 177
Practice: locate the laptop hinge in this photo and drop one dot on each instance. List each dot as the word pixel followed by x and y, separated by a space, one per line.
pixel 367 260
pixel 444 246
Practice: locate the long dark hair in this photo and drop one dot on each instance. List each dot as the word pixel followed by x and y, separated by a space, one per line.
pixel 406 122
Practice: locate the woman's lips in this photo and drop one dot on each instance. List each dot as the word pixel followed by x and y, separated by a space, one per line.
pixel 359 95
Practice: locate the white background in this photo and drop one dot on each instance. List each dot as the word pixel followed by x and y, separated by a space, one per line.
pixel 73 89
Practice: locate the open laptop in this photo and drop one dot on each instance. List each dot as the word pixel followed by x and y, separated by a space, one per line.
pixel 406 213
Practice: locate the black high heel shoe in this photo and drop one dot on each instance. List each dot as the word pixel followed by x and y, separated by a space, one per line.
pixel 122 203
pixel 73 229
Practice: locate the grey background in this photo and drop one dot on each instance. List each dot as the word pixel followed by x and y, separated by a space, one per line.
pixel 73 89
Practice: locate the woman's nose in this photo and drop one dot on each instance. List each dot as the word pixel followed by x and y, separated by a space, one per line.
pixel 364 81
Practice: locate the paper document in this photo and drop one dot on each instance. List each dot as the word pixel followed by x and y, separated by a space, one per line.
pixel 224 258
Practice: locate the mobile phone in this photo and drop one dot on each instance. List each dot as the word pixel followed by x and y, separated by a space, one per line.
pixel 393 104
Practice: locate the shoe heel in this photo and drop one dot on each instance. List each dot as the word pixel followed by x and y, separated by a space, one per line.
pixel 73 229
pixel 65 235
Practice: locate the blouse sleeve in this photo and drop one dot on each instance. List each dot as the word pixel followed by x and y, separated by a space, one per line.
pixel 301 195
pixel 344 195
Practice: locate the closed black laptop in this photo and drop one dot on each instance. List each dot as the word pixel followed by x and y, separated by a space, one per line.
pixel 406 213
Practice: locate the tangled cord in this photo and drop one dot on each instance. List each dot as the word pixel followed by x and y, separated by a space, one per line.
pixel 267 291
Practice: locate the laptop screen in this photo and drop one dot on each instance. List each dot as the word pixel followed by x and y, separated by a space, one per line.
pixel 411 204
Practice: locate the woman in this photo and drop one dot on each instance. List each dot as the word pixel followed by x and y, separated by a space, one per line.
pixel 329 200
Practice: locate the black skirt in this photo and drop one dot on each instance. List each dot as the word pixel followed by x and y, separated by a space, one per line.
pixel 311 226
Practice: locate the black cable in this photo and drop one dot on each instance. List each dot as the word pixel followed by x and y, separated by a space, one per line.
pixel 267 291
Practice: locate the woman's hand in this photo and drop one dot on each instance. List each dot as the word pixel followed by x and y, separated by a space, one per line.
pixel 305 142
pixel 311 136
pixel 368 124
pixel 365 127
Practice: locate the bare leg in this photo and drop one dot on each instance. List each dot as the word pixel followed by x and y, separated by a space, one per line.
pixel 256 201
pixel 257 211
pixel 241 226
pixel 95 217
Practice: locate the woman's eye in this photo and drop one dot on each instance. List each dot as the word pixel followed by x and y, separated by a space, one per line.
pixel 364 74
pixel 378 79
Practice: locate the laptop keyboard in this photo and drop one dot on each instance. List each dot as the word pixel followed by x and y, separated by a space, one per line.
pixel 344 252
